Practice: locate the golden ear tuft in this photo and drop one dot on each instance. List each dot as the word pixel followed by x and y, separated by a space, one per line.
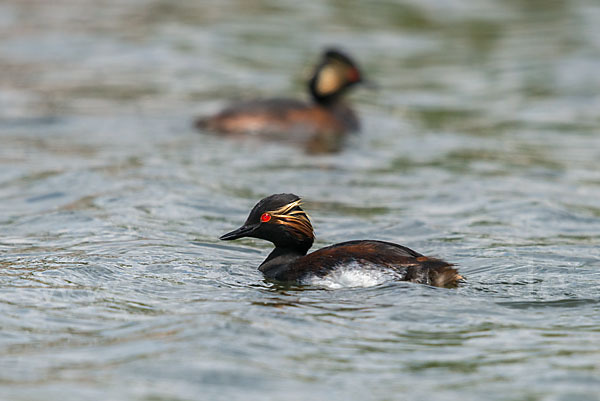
pixel 297 220
pixel 329 80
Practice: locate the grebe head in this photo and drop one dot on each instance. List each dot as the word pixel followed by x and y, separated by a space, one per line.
pixel 279 219
pixel 333 75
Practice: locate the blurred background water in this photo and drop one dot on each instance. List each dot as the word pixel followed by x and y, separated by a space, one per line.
pixel 481 147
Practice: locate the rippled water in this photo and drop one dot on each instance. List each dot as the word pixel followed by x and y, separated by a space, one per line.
pixel 481 147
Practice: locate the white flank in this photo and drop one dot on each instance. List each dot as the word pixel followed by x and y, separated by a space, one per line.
pixel 351 275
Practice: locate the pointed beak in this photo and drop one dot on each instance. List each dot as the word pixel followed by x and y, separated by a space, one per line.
pixel 241 232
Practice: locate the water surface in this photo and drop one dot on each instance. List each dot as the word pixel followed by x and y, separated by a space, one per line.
pixel 481 147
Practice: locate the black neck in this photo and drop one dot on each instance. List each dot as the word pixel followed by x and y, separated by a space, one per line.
pixel 325 101
pixel 279 261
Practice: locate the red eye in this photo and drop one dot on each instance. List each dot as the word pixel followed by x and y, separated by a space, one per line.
pixel 265 217
pixel 353 75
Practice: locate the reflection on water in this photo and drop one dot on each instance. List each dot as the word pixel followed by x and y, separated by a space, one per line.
pixel 481 147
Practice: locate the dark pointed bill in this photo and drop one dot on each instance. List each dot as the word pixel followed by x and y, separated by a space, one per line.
pixel 241 232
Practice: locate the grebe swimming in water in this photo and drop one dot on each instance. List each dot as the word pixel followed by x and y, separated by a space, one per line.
pixel 280 220
pixel 319 126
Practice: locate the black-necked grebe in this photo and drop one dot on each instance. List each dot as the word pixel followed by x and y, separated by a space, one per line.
pixel 319 126
pixel 280 220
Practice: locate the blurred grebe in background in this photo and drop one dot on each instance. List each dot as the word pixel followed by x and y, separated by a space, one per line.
pixel 319 125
